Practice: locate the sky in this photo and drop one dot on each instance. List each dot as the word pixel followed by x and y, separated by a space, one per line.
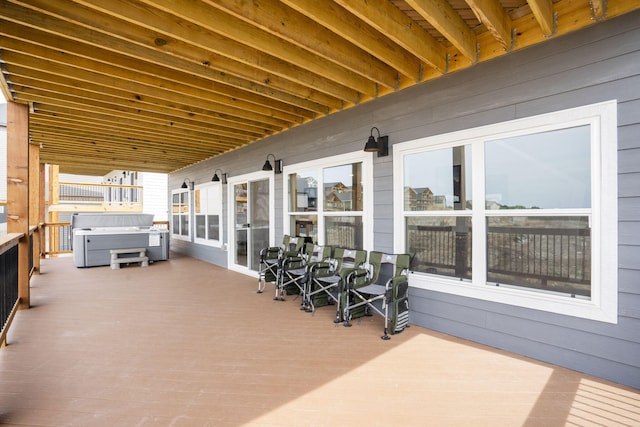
pixel 544 170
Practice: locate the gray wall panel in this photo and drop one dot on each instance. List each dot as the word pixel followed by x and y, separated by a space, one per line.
pixel 629 185
pixel 628 233
pixel 628 113
pixel 466 310
pixel 628 160
pixel 629 306
pixel 629 281
pixel 629 136
pixel 629 209
pixel 625 352
pixel 593 65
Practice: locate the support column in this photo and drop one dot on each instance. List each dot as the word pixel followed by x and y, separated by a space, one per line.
pixel 34 202
pixel 54 200
pixel 42 215
pixel 18 190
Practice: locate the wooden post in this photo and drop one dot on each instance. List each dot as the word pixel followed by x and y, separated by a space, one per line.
pixel 54 200
pixel 34 201
pixel 43 208
pixel 18 190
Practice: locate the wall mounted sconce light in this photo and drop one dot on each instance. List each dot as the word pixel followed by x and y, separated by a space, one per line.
pixel 277 168
pixel 216 178
pixel 380 145
pixel 187 183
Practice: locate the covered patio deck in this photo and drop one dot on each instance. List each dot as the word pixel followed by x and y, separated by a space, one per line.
pixel 185 343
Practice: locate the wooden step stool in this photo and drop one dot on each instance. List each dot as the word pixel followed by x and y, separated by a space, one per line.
pixel 142 257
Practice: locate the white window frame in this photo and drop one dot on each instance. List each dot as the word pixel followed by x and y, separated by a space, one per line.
pixel 320 164
pixel 603 304
pixel 208 206
pixel 189 214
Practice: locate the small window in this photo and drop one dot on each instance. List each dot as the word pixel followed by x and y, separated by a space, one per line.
pixel 208 213
pixel 327 200
pixel 180 214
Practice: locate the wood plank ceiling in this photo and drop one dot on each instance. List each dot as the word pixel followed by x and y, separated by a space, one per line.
pixel 157 85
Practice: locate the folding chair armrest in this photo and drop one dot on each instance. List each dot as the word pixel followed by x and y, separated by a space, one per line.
pixel 321 268
pixel 270 252
pixel 294 259
pixel 355 278
pixel 397 287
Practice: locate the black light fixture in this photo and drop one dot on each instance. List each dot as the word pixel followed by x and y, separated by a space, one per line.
pixel 380 145
pixel 277 164
pixel 216 178
pixel 187 183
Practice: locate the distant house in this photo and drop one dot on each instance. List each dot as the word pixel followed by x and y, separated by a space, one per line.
pixel 154 190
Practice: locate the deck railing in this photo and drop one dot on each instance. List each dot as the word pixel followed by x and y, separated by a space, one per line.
pixel 57 238
pixel 9 299
pixel 542 258
pixel 104 196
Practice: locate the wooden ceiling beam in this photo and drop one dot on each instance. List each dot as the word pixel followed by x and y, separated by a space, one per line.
pixel 385 17
pixel 85 104
pixel 95 128
pixel 235 32
pixel 194 44
pixel 209 124
pixel 598 9
pixel 543 11
pixel 123 78
pixel 112 163
pixel 206 118
pixel 75 114
pixel 147 85
pixel 493 16
pixel 346 25
pixel 286 23
pixel 62 140
pixel 128 40
pixel 54 145
pixel 448 22
pixel 231 113
pixel 107 147
pixel 129 129
pixel 106 154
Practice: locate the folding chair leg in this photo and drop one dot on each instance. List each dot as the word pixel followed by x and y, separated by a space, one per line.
pixel 275 297
pixel 338 318
pixel 346 318
pixel 279 287
pixel 305 298
pixel 386 323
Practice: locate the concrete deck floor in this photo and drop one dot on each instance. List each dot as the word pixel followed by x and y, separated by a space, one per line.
pixel 185 343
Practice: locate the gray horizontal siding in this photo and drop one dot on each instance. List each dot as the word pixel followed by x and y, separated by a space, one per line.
pixel 593 65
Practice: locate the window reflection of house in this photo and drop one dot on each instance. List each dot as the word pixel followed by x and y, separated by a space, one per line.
pixel 423 199
pixel 338 197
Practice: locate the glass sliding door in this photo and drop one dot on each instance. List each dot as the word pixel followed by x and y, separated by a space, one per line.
pixel 242 224
pixel 251 213
pixel 259 215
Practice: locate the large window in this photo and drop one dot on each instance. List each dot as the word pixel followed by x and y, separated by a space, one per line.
pixel 327 198
pixel 521 212
pixel 208 214
pixel 180 213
